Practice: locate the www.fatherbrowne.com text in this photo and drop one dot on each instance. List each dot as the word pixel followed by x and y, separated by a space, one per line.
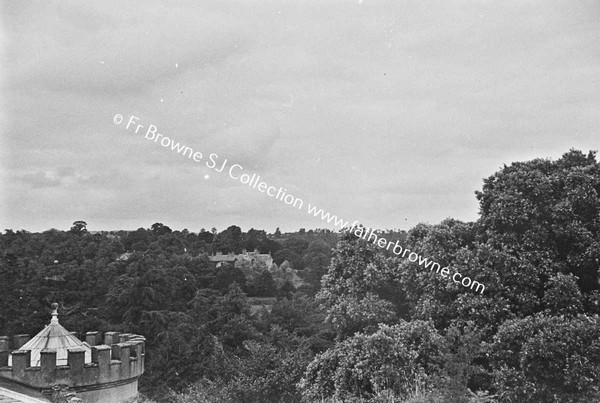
pixel 236 172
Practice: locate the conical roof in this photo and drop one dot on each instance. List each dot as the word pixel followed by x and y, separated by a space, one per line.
pixel 56 337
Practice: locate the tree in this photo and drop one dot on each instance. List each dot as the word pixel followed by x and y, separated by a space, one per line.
pixel 286 290
pixel 562 296
pixel 228 240
pixel 538 219
pixel 351 290
pixel 549 212
pixel 315 261
pixel 226 276
pixel 205 236
pixel 296 244
pixel 367 365
pixel 286 254
pixel 254 239
pixel 160 229
pixel 548 359
pixel 264 285
pixel 79 228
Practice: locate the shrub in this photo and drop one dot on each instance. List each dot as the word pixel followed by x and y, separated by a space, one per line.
pixel 366 365
pixel 548 358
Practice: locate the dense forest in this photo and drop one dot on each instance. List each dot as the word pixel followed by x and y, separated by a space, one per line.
pixel 361 324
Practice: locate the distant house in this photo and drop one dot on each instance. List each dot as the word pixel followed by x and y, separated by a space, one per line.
pixel 255 256
pixel 220 258
pixel 237 260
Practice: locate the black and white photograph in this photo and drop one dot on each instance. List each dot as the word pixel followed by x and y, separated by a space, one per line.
pixel 309 201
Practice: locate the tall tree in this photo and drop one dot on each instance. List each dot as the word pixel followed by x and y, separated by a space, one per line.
pixel 351 291
pixel 228 241
pixel 79 227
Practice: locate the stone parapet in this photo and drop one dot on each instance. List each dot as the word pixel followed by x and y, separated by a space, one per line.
pixel 119 360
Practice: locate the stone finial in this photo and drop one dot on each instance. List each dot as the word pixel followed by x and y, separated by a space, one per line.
pixel 54 313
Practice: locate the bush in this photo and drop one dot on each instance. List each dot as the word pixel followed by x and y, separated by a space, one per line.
pixel 366 365
pixel 548 358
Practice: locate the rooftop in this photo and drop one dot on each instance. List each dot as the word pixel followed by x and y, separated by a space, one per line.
pixel 55 336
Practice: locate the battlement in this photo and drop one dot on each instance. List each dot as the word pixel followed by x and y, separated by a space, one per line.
pixel 118 361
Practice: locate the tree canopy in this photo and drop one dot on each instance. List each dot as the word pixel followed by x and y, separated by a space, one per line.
pixel 365 325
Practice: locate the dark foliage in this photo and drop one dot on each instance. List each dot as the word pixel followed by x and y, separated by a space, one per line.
pixel 378 328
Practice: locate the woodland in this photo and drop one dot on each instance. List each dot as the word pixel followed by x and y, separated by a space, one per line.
pixel 363 325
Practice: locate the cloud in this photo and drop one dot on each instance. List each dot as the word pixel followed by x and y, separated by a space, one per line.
pixel 114 49
pixel 40 180
pixel 399 108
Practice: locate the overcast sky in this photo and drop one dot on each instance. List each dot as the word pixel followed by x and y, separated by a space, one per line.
pixel 386 112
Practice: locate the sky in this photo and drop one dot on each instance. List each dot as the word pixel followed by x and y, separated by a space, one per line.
pixel 390 113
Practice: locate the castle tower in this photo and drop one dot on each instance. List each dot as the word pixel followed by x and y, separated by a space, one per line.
pixel 55 337
pixel 55 361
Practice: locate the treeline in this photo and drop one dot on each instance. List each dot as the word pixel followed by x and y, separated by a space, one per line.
pixel 197 317
pixel 533 336
pixel 366 327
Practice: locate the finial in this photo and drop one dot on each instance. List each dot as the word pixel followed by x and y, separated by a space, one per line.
pixel 54 313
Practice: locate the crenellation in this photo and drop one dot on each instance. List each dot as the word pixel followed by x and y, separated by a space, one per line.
pixel 19 340
pixel 116 351
pixel 48 364
pixel 142 340
pixel 109 364
pixel 4 343
pixel 125 357
pixel 99 373
pixel 4 358
pixel 76 362
pixel 111 338
pixel 101 355
pixel 136 348
pixel 137 355
pixel 21 360
pixel 92 338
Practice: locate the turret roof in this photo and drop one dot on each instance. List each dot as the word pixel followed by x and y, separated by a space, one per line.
pixel 55 336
